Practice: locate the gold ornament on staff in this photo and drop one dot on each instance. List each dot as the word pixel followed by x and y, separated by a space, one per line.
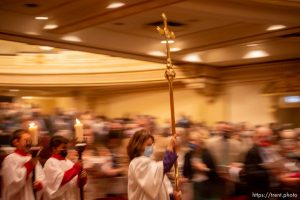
pixel 170 76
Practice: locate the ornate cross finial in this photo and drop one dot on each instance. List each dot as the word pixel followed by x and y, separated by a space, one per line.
pixel 170 73
pixel 165 31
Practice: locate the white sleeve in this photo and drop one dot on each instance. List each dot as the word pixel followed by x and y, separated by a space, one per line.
pixel 40 176
pixel 150 176
pixel 14 176
pixel 73 183
pixel 53 179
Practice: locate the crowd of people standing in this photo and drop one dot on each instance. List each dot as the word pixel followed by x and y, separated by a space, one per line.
pixel 224 161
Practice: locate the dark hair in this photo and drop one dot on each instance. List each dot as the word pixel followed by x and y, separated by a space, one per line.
pixel 115 134
pixel 136 142
pixel 57 140
pixel 16 135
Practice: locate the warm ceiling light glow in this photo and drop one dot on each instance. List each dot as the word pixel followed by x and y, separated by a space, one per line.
pixel 192 58
pixel 115 5
pixel 32 33
pixel 276 27
pixel 50 26
pixel 26 97
pixel 45 48
pixel 41 18
pixel 169 41
pixel 71 38
pixel 256 54
pixel 14 90
pixel 174 49
pixel 157 53
pixel 291 99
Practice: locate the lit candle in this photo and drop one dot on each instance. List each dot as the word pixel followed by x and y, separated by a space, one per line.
pixel 78 130
pixel 33 130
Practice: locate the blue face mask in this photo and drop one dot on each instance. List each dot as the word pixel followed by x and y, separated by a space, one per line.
pixel 192 146
pixel 148 151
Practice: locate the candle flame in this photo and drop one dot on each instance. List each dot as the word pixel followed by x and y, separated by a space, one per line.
pixel 32 124
pixel 77 121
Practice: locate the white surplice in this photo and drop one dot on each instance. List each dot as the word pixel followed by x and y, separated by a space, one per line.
pixel 54 171
pixel 146 180
pixel 15 184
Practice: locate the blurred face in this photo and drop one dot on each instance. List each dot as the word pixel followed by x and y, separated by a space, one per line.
pixel 264 137
pixel 148 143
pixel 289 145
pixel 193 142
pixel 148 147
pixel 226 130
pixel 61 149
pixel 226 127
pixel 115 126
pixel 24 143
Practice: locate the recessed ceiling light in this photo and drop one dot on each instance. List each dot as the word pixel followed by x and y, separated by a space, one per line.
pixel 32 33
pixel 50 26
pixel 157 53
pixel 169 41
pixel 14 90
pixel 276 27
pixel 26 97
pixel 41 18
pixel 115 5
pixel 292 99
pixel 46 48
pixel 71 38
pixel 256 54
pixel 192 58
pixel 174 49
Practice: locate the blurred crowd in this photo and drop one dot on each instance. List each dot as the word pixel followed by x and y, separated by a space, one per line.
pixel 226 160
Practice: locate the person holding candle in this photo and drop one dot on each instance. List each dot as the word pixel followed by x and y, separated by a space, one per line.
pixel 63 177
pixel 18 168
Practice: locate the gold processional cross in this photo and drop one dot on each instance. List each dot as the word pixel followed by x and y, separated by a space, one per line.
pixel 170 76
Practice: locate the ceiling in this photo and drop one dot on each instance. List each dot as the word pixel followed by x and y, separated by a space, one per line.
pixel 216 33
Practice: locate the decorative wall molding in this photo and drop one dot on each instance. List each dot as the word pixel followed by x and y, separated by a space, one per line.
pixel 72 69
pixel 264 72
pixel 204 79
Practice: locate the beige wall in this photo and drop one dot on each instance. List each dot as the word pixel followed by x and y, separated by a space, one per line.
pixel 66 103
pixel 48 104
pixel 156 103
pixel 244 102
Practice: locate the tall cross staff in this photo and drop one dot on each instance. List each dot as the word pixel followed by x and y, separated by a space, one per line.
pixel 170 76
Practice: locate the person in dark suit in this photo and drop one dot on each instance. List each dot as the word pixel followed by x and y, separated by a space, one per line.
pixel 260 175
pixel 199 167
